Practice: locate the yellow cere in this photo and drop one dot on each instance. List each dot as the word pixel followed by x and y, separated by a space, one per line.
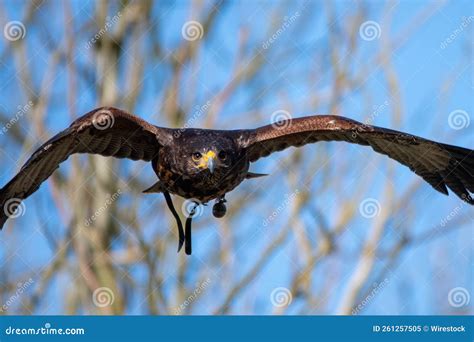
pixel 205 158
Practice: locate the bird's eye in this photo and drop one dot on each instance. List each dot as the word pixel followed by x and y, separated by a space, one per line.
pixel 222 155
pixel 197 156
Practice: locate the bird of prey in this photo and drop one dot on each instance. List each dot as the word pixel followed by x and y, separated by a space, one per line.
pixel 205 164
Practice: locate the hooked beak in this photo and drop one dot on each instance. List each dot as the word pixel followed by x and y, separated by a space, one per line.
pixel 210 160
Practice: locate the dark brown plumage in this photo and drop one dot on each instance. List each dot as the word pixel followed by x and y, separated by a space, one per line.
pixel 204 165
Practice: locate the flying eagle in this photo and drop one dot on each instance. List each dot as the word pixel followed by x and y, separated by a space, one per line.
pixel 204 165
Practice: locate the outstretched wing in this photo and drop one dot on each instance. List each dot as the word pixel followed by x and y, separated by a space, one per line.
pixel 105 131
pixel 439 164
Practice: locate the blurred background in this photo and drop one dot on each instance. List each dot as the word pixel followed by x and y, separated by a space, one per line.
pixel 334 229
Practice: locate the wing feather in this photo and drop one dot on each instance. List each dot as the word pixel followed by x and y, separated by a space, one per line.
pixel 104 131
pixel 442 166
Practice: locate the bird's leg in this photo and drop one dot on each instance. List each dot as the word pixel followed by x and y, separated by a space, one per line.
pixel 181 235
pixel 219 209
pixel 187 235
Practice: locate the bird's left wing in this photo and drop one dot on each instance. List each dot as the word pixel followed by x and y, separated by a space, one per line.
pixel 440 165
pixel 105 131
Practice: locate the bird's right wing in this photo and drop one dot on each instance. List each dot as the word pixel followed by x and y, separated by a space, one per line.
pixel 105 131
pixel 442 166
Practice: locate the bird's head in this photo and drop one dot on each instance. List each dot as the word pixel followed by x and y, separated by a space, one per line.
pixel 212 157
pixel 208 153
